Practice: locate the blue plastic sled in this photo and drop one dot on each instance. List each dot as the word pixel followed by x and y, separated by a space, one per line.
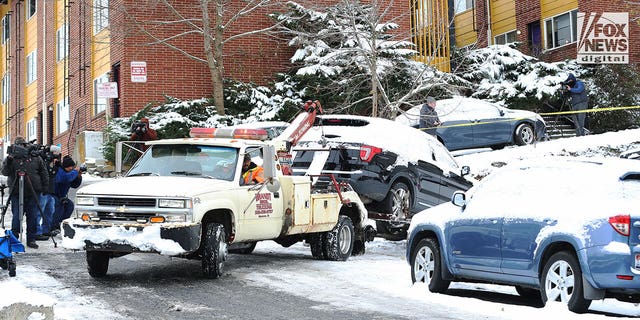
pixel 8 245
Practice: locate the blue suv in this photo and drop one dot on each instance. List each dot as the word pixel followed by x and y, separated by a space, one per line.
pixel 558 229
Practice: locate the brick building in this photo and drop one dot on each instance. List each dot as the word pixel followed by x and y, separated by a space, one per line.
pixel 55 54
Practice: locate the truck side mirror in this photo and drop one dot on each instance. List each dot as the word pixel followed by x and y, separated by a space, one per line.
pixel 465 170
pixel 269 158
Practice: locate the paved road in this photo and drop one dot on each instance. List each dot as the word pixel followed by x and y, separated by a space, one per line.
pixel 157 287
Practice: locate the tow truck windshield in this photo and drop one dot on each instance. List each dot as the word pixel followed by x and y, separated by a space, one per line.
pixel 187 160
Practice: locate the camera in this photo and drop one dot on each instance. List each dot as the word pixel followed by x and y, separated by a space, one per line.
pixel 25 151
pixel 139 128
pixel 83 168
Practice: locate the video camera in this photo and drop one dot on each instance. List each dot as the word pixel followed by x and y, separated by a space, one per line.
pixel 25 151
pixel 139 128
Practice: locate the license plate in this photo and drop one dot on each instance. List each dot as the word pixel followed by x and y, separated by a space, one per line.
pixel 637 260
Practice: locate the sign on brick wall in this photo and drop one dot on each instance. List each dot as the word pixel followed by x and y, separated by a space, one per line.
pixel 107 90
pixel 138 71
pixel 604 38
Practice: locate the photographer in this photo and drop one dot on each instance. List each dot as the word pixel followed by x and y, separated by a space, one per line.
pixel 20 161
pixel 48 201
pixel 141 131
pixel 68 176
pixel 579 101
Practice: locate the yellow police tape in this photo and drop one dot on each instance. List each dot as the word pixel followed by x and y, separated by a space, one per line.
pixel 542 114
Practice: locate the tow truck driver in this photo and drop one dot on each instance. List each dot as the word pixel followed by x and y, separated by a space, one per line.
pixel 251 172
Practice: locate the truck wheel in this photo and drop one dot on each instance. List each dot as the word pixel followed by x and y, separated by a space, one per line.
pixel 426 265
pixel 97 263
pixel 215 251
pixel 317 244
pixel 562 281
pixel 242 247
pixel 339 243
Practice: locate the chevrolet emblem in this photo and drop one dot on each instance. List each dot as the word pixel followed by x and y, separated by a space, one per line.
pixel 121 208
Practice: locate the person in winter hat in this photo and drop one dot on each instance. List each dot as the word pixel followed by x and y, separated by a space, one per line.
pixel 36 179
pixel 579 101
pixel 68 176
pixel 429 117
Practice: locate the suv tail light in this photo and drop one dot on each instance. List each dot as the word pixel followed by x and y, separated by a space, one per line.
pixel 368 152
pixel 621 223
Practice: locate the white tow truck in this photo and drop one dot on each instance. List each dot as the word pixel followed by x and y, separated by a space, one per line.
pixel 185 198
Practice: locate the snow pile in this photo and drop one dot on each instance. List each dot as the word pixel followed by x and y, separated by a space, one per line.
pixel 147 240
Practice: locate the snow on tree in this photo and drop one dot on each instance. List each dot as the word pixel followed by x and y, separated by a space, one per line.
pixel 357 60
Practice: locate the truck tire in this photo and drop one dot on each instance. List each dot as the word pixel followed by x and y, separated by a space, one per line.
pixel 97 263
pixel 317 243
pixel 339 242
pixel 242 247
pixel 215 251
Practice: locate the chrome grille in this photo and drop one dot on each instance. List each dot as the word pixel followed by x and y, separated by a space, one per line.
pixel 129 202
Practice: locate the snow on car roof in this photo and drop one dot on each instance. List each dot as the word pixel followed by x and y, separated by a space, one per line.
pixel 446 109
pixel 579 192
pixel 409 143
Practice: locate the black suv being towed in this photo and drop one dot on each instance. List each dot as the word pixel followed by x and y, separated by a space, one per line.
pixel 397 170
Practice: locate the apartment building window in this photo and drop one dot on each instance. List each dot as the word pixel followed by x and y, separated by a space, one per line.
pixel 99 104
pixel 5 28
pixel 32 66
pixel 31 8
pixel 62 41
pixel 6 88
pixel 508 37
pixel 62 115
pixel 561 29
pixel 463 5
pixel 31 129
pixel 100 15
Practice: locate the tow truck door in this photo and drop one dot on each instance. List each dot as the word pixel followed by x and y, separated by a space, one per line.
pixel 261 209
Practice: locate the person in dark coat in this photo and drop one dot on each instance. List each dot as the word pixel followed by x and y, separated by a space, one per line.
pixel 579 101
pixel 143 132
pixel 429 117
pixel 36 179
pixel 68 176
pixel 48 204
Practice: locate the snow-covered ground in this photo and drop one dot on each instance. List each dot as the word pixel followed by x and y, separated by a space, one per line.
pixel 384 260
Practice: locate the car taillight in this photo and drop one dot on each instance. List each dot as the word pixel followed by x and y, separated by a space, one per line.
pixel 367 152
pixel 621 224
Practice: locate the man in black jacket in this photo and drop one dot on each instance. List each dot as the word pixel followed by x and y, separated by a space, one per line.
pixel 579 101
pixel 36 179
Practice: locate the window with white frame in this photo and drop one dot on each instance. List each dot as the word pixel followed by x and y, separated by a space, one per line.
pixel 463 5
pixel 31 129
pixel 507 37
pixel 32 66
pixel 561 29
pixel 62 116
pixel 5 28
pixel 6 88
pixel 100 15
pixel 31 8
pixel 99 104
pixel 62 42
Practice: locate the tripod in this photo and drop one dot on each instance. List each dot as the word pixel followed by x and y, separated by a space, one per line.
pixel 21 174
